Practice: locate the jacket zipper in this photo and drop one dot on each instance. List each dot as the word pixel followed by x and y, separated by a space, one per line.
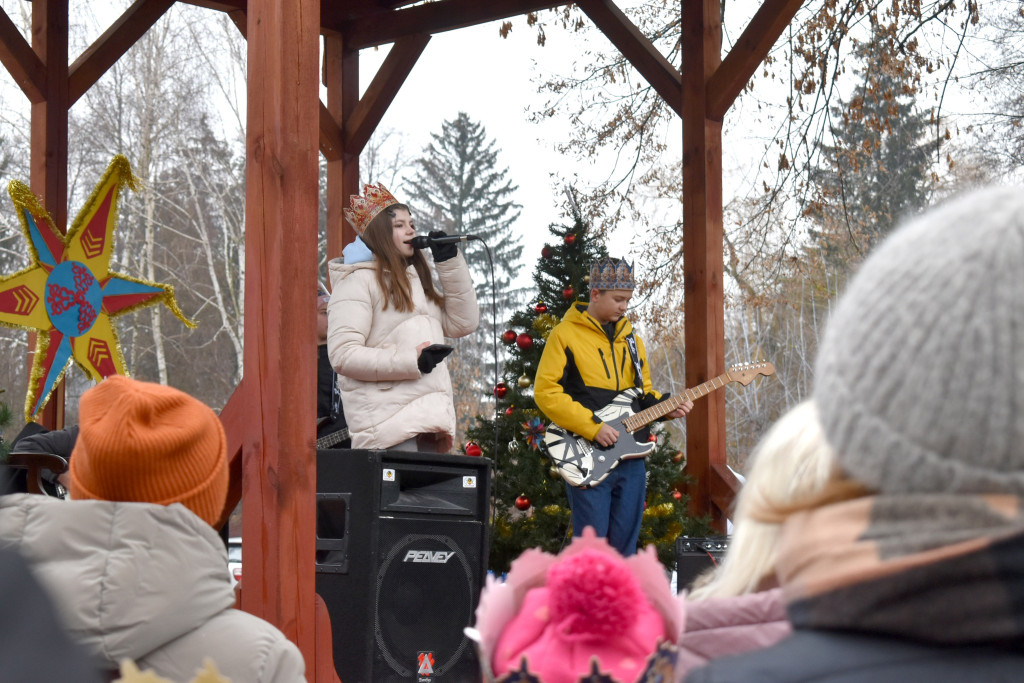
pixel 611 344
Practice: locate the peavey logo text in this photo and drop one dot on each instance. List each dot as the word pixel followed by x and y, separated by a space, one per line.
pixel 428 556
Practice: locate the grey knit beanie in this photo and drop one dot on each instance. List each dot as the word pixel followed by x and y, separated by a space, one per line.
pixel 920 377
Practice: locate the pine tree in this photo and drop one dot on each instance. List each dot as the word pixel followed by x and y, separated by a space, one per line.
pixel 878 170
pixel 458 188
pixel 530 506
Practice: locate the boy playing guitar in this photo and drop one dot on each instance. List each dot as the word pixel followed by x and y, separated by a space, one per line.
pixel 589 358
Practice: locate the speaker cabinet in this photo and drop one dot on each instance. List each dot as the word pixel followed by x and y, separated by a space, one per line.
pixel 696 555
pixel 401 554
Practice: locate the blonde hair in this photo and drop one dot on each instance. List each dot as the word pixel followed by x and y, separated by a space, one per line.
pixel 791 466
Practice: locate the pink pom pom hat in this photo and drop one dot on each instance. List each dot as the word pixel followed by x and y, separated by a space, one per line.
pixel 585 613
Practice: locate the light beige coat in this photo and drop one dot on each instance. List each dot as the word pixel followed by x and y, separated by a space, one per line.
pixel 144 582
pixel 386 399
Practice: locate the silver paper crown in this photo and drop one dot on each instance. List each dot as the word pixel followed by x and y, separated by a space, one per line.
pixel 611 273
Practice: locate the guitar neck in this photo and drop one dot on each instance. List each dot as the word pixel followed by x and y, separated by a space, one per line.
pixel 332 439
pixel 645 417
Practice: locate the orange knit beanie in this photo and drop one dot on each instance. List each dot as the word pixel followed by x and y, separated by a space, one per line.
pixel 147 443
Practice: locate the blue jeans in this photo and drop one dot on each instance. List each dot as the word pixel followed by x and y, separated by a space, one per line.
pixel 615 507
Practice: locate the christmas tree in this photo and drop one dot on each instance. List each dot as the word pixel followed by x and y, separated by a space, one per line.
pixel 531 509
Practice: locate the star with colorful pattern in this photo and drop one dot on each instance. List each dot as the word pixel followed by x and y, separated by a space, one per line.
pixel 68 294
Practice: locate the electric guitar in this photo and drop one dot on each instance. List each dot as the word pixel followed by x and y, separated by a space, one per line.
pixel 584 463
pixel 332 439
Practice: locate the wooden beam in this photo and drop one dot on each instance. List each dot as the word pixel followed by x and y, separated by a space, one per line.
pixel 636 48
pixel 234 417
pixel 49 140
pixel 332 142
pixel 341 76
pixel 21 62
pixel 703 264
pixel 434 17
pixel 746 55
pixel 114 42
pixel 281 192
pixel 219 5
pixel 723 487
pixel 382 90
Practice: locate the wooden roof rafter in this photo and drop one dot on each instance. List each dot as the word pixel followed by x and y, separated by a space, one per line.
pixel 436 17
pixel 115 41
pixel 638 50
pixel 750 50
pixel 21 61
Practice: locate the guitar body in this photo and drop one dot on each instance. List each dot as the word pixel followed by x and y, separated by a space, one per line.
pixel 584 463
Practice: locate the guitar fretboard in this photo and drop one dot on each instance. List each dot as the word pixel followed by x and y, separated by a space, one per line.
pixel 645 417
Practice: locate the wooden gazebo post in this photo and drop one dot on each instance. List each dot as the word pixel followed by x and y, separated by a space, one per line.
pixel 49 137
pixel 710 86
pixel 278 464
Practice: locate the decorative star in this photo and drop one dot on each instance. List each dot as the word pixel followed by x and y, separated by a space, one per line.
pixel 68 294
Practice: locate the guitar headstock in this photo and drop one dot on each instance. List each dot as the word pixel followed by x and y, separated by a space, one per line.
pixel 744 373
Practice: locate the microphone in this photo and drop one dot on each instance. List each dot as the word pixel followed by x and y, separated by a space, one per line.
pixel 424 241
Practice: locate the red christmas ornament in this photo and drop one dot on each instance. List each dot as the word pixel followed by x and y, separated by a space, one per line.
pixel 677 495
pixel 510 410
pixel 652 438
pixel 474 450
pixel 524 341
pixel 508 336
pixel 541 307
pixel 569 292
pixel 677 458
pixel 570 238
pixel 500 389
pixel 523 503
pixel 546 251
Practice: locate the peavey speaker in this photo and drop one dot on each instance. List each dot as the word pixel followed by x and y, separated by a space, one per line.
pixel 695 555
pixel 401 557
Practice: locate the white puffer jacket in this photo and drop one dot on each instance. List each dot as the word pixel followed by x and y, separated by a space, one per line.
pixel 385 397
pixel 144 582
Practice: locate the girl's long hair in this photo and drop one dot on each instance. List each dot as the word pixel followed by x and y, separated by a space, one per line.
pixel 391 264
pixel 792 469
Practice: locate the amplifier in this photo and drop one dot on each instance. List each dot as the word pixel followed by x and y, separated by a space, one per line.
pixel 696 555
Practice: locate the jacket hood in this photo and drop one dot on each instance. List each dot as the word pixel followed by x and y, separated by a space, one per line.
pixel 127 578
pixel 338 270
pixel 579 315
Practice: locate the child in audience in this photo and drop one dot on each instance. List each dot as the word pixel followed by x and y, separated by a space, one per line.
pixel 133 561
pixel 738 605
pixel 908 566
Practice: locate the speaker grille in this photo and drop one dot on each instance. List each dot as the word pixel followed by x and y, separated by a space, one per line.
pixel 424 597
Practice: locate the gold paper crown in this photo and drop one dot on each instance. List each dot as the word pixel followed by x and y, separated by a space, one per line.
pixel 364 209
pixel 611 273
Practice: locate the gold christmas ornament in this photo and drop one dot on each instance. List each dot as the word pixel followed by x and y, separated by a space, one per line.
pixel 543 324
pixel 524 381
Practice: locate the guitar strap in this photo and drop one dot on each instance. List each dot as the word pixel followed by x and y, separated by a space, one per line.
pixel 638 374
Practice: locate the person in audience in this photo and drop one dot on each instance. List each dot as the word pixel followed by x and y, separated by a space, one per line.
pixel 908 566
pixel 34 439
pixel 580 616
pixel 133 561
pixel 331 428
pixel 737 606
pixel 386 326
pixel 33 645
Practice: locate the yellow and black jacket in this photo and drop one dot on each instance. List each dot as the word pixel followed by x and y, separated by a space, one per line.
pixel 582 369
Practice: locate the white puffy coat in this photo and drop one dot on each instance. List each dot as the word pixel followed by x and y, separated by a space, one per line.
pixel 386 399
pixel 144 582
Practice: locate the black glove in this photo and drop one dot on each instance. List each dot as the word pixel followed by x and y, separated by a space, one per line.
pixel 431 356
pixel 442 252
